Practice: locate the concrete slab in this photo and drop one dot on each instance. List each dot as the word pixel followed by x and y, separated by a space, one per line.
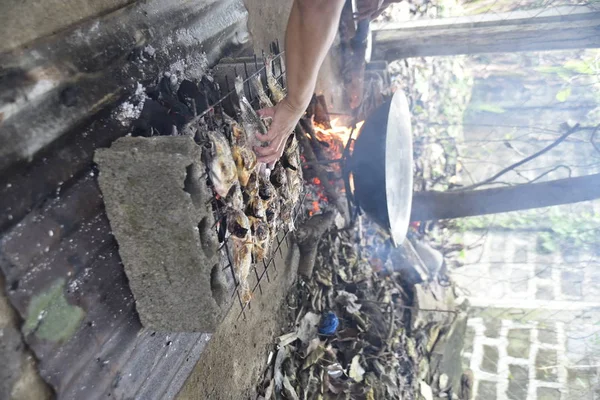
pixel 159 210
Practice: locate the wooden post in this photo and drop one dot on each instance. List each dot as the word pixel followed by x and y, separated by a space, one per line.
pixel 570 27
pixel 457 204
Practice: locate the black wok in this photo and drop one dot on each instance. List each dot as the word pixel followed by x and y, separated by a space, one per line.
pixel 382 166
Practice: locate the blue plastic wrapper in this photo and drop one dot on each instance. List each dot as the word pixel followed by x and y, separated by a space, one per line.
pixel 329 324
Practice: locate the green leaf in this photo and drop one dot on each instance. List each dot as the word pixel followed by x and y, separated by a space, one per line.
pixel 580 66
pixel 356 370
pixel 314 357
pixel 563 95
pixel 462 255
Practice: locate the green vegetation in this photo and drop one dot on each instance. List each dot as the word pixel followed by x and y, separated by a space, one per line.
pixel 557 228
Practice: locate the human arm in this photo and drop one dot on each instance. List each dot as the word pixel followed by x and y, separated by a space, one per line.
pixel 311 29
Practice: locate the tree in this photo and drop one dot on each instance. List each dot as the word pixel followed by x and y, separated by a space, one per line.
pixel 433 205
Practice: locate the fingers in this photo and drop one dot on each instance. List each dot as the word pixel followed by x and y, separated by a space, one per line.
pixel 273 151
pixel 267 112
pixel 274 131
pixel 284 119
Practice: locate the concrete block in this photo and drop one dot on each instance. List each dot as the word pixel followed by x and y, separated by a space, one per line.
pixel 490 359
pixel 487 390
pixel 546 365
pixel 518 382
pixel 544 292
pixel 572 283
pixel 159 209
pixel 544 393
pixel 518 343
pixel 547 333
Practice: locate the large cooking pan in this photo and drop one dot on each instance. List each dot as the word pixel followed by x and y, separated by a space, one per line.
pixel 382 166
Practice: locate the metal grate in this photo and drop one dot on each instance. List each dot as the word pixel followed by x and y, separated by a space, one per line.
pixel 248 70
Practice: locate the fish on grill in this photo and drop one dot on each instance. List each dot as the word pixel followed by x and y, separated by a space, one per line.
pixel 277 92
pixel 279 180
pixel 293 167
pixel 240 237
pixel 222 170
pixel 261 235
pixel 263 99
pixel 245 162
pixel 251 122
pixel 243 155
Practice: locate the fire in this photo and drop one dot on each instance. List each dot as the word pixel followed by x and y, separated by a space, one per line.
pixel 338 132
pixel 334 141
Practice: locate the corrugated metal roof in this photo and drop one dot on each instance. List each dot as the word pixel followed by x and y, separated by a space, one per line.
pixel 61 263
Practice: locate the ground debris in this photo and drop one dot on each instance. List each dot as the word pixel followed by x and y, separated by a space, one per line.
pixel 383 342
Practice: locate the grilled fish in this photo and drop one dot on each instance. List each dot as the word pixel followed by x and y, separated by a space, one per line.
pixel 266 190
pixel 251 188
pixel 272 214
pixel 222 169
pixel 257 207
pixel 261 236
pixel 239 227
pixel 245 162
pixel 287 215
pixel 279 180
pixel 263 100
pixel 251 122
pixel 275 88
pixel 238 135
pixel 293 170
pixel 235 198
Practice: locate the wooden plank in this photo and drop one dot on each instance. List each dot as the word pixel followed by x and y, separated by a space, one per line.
pixel 534 30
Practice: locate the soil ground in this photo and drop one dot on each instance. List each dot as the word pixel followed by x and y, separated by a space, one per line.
pixel 237 354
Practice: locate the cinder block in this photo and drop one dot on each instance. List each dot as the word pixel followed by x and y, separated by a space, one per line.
pixel 159 209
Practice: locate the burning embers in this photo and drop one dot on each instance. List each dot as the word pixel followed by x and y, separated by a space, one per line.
pixel 337 136
pixel 329 146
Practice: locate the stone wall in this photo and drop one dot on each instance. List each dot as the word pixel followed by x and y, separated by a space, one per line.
pixel 533 332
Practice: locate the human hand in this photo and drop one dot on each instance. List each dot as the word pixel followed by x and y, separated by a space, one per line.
pixel 285 116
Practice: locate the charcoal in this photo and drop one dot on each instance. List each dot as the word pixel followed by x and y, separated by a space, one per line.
pixel 189 94
pixel 210 89
pixel 154 116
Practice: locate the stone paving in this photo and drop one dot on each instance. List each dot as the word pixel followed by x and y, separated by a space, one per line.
pixel 518 361
pixel 534 329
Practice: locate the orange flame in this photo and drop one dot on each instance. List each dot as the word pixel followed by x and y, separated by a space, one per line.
pixel 337 131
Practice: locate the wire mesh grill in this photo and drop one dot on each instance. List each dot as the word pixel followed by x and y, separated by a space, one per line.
pixel 259 273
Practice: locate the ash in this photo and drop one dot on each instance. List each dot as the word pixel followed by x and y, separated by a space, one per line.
pixel 131 109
